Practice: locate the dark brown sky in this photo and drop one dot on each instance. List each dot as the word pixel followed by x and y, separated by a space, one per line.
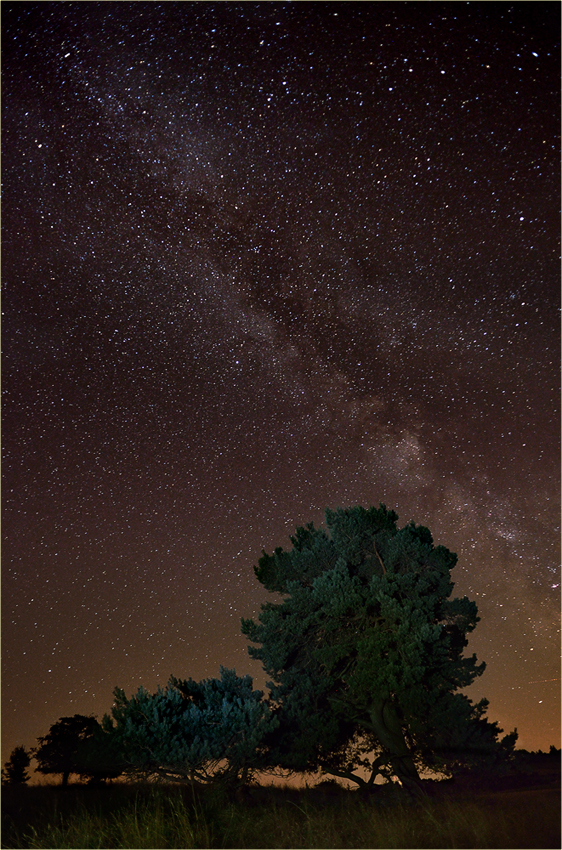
pixel 260 259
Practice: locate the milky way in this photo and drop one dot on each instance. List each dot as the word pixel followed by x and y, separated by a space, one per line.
pixel 260 259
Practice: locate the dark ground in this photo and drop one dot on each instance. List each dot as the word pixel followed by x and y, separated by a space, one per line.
pixel 536 777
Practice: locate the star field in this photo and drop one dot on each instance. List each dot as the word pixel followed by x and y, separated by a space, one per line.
pixel 260 259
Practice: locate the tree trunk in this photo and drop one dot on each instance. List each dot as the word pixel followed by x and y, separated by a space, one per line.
pixel 65 776
pixel 385 723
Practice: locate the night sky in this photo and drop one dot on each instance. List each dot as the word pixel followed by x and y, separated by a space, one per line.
pixel 260 259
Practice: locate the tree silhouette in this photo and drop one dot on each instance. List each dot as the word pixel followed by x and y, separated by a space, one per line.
pixel 14 771
pixel 77 745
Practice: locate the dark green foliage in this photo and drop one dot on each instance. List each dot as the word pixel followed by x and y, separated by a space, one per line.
pixel 365 652
pixel 77 745
pixel 14 771
pixel 101 757
pixel 198 731
pixel 314 551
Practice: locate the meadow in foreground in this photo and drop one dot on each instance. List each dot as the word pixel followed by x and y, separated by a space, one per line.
pixel 144 816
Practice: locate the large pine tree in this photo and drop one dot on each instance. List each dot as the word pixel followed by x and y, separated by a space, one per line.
pixel 365 651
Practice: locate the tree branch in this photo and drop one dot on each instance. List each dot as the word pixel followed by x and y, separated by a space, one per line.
pixel 379 557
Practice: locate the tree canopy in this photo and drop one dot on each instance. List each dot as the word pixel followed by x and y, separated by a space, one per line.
pixel 365 651
pixel 208 731
pixel 14 771
pixel 77 745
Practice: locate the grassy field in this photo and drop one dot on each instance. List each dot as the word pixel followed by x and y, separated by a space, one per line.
pixel 142 816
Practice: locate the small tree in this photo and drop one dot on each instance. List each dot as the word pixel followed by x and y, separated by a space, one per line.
pixel 77 745
pixel 208 731
pixel 365 651
pixel 15 769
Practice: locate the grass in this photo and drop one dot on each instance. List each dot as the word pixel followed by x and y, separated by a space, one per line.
pixel 156 816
